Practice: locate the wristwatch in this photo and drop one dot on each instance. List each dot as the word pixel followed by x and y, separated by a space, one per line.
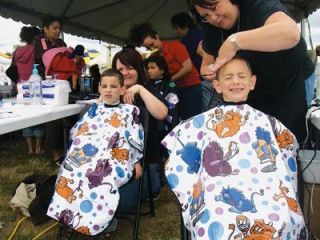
pixel 233 40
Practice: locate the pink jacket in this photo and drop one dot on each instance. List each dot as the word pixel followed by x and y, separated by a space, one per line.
pixel 24 59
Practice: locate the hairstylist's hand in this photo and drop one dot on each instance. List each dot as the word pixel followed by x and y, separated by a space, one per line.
pixel 128 97
pixel 207 73
pixel 225 54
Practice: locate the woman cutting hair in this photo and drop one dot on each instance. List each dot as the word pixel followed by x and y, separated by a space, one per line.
pixel 263 32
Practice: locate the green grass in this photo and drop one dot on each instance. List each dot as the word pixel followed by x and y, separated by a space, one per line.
pixel 16 164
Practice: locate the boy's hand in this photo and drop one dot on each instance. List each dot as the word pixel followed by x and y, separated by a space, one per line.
pixel 138 170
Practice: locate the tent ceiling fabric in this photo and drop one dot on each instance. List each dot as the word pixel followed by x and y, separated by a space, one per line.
pixel 110 20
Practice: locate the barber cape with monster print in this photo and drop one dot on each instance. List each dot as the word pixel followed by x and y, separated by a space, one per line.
pixel 234 172
pixel 105 144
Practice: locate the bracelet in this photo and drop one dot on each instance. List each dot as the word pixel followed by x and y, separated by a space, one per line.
pixel 233 40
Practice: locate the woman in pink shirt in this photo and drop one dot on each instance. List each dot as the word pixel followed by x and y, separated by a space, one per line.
pixel 23 56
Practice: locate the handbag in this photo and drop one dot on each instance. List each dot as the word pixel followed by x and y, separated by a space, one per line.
pixel 12 72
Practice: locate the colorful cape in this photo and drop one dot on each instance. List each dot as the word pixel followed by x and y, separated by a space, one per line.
pixel 106 143
pixel 234 172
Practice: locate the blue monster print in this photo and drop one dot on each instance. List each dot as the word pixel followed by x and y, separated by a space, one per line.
pixel 190 154
pixel 237 200
pixel 92 112
pixel 265 149
pixel 80 156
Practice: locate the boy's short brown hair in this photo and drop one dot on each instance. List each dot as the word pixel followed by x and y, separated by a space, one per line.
pixel 113 73
pixel 235 58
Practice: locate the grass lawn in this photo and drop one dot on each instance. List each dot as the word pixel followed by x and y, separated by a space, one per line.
pixel 16 164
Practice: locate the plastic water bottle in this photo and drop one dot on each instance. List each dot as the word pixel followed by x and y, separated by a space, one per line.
pixel 86 82
pixel 35 86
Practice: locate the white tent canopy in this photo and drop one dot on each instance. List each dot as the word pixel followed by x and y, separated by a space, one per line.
pixel 110 20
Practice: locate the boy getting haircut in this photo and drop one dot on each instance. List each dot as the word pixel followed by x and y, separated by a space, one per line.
pixel 233 168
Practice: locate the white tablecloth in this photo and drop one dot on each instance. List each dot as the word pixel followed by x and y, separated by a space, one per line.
pixel 23 116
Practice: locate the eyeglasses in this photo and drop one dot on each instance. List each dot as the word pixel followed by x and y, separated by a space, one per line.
pixel 212 7
pixel 204 19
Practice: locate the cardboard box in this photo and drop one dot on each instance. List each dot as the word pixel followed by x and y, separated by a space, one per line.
pixel 313 218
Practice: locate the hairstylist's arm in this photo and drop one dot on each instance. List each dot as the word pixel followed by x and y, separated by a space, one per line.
pixel 186 68
pixel 279 32
pixel 155 107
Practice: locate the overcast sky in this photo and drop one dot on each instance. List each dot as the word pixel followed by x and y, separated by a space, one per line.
pixel 9 35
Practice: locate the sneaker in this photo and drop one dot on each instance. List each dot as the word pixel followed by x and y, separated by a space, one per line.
pixel 59 160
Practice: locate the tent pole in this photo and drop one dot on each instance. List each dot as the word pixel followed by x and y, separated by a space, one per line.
pixel 303 28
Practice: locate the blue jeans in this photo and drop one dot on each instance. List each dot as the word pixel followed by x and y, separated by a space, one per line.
pixel 309 85
pixel 129 192
pixel 206 93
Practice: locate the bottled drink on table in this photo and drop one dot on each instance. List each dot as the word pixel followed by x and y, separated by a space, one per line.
pixel 35 86
pixel 86 81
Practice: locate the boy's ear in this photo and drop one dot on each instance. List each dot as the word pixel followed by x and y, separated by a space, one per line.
pixel 216 85
pixel 253 82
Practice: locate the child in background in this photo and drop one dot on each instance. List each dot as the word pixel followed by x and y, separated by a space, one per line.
pixel 23 58
pixel 233 168
pixel 106 146
pixel 77 55
pixel 159 76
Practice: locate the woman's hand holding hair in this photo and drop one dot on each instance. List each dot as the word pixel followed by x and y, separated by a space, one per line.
pixel 226 52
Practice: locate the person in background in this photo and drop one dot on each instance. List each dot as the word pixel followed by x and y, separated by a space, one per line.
pixel 23 57
pixel 232 150
pixel 264 33
pixel 77 55
pixel 51 29
pixel 54 140
pixel 159 77
pixel 181 68
pixel 191 36
pixel 142 94
pixel 95 73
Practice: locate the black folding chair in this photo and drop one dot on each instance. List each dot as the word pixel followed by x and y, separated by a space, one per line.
pixel 72 235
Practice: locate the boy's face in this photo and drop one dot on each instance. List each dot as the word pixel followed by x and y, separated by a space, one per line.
pixel 154 72
pixel 110 89
pixel 235 81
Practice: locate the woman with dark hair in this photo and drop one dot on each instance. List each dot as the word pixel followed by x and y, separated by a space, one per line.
pixel 262 32
pixel 140 93
pixel 54 130
pixel 181 68
pixel 51 29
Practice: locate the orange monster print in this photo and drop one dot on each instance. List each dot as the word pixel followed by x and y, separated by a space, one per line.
pixel 292 203
pixel 259 230
pixel 285 139
pixel 83 130
pixel 83 230
pixel 64 190
pixel 228 124
pixel 122 155
pixel 115 120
